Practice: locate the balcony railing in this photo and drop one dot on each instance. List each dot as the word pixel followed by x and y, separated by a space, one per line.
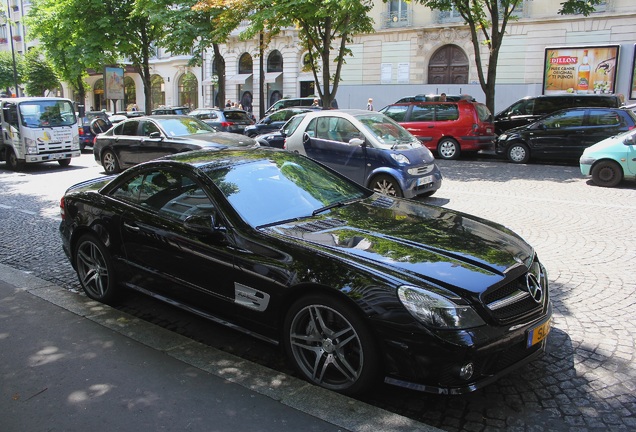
pixel 396 19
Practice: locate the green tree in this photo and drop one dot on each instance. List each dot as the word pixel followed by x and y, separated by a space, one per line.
pixel 39 73
pixel 487 21
pixel 325 27
pixel 7 81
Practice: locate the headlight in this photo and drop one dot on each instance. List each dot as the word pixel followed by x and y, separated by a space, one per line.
pixel 434 310
pixel 31 146
pixel 400 158
pixel 502 137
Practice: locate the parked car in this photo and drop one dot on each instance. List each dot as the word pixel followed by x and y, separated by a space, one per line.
pixel 611 161
pixel 435 98
pixel 563 135
pixel 277 139
pixel 305 102
pixel 141 139
pixel 532 108
pixel 355 286
pixel 225 120
pixel 93 123
pixel 448 128
pixel 369 148
pixel 170 110
pixel 274 121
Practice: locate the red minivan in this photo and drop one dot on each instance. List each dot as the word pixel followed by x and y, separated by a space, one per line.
pixel 448 128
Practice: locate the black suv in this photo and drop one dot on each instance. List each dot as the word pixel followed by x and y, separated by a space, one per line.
pixel 180 110
pixel 565 134
pixel 532 108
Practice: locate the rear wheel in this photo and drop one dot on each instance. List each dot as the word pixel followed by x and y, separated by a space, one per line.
pixel 110 162
pixel 448 149
pixel 518 153
pixel 13 162
pixel 386 185
pixel 607 174
pixel 64 162
pixel 95 269
pixel 330 345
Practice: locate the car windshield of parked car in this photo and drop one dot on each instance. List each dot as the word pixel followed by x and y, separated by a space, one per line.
pixel 388 133
pixel 268 191
pixel 183 126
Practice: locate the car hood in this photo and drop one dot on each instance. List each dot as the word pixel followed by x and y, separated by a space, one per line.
pixel 223 138
pixel 415 242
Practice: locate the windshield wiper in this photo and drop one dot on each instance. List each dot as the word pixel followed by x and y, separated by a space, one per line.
pixel 334 205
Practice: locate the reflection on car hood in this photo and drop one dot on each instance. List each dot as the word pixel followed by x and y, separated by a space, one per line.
pixel 223 138
pixel 415 241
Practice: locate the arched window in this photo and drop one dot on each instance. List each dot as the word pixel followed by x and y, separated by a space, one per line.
pixel 246 65
pixel 130 93
pixel 157 91
pixel 275 62
pixel 188 94
pixel 448 65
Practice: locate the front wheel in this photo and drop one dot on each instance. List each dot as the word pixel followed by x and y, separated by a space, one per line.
pixel 330 345
pixel 518 153
pixel 110 162
pixel 64 162
pixel 95 269
pixel 13 162
pixel 607 174
pixel 386 185
pixel 448 149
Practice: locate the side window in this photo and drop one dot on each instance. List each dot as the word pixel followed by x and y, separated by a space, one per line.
pixel 322 128
pixel 129 128
pixel 446 112
pixel 311 128
pixel 168 193
pixel 148 128
pixel 423 113
pixel 603 118
pixel 396 112
pixel 281 115
pixel 566 119
pixel 345 131
pixel 544 106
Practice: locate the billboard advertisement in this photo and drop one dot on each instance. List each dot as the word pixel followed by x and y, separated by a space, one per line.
pixel 114 83
pixel 583 69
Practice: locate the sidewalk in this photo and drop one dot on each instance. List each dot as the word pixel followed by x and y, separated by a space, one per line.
pixel 71 364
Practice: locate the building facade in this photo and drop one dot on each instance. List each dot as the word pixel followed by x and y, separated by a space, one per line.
pixel 414 50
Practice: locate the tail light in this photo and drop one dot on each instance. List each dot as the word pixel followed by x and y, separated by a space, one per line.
pixel 81 131
pixel 226 124
pixel 62 208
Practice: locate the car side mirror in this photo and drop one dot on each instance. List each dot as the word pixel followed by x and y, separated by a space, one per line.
pixel 541 126
pixel 203 224
pixel 266 120
pixel 154 135
pixel 356 142
pixel 630 140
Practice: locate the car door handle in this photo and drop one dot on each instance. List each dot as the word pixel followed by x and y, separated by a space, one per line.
pixel 131 227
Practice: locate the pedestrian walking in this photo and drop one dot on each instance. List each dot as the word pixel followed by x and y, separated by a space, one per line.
pixel 370 104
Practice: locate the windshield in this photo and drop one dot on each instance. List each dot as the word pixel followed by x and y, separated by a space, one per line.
pixel 283 187
pixel 47 113
pixel 387 132
pixel 183 126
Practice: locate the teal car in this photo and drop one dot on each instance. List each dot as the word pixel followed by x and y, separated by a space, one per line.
pixel 611 160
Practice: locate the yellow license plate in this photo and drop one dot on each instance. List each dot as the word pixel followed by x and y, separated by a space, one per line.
pixel 537 334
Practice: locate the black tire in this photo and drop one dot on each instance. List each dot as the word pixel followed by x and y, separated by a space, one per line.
pixel 448 149
pixel 330 345
pixel 13 162
pixel 64 162
pixel 387 185
pixel 95 270
pixel 518 153
pixel 607 174
pixel 110 162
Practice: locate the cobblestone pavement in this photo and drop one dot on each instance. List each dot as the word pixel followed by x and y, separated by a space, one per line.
pixel 585 235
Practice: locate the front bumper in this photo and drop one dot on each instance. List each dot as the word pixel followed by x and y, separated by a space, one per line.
pixel 52 156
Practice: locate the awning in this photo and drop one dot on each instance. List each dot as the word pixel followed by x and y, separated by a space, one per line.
pixel 270 77
pixel 238 79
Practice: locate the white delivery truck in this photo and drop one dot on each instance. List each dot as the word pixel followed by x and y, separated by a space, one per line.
pixel 38 129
